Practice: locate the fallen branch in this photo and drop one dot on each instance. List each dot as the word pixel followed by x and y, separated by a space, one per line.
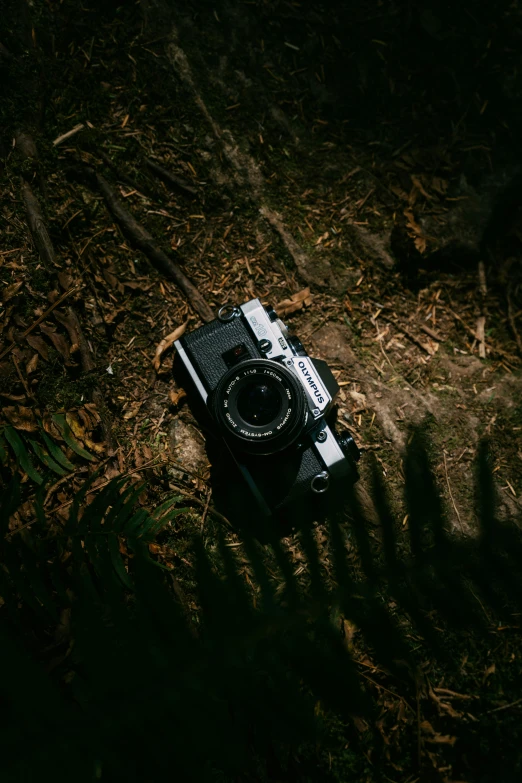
pixel 69 134
pixel 37 226
pixel 406 332
pixel 141 238
pixel 71 321
pixel 511 319
pixel 170 179
pixel 122 177
pixel 481 320
pixel 491 348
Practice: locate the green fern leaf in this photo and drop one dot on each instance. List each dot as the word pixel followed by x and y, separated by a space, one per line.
pixel 61 423
pixel 44 457
pixel 16 443
pixel 56 452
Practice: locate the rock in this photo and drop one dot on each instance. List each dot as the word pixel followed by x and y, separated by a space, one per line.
pixel 187 446
pixel 331 343
pixel 481 213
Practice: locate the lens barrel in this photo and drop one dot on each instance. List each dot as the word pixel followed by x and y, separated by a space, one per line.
pixel 260 406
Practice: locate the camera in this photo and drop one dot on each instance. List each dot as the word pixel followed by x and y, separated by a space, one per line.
pixel 255 387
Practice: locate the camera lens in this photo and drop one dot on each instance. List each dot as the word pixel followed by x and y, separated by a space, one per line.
pixel 258 403
pixel 260 406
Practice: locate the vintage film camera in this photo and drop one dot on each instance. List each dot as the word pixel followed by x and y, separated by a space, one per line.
pixel 272 405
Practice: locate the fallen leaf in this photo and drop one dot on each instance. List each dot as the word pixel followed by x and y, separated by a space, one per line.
pixel 296 302
pixel 11 290
pixel 98 448
pixel 176 396
pixel 138 286
pixel 166 343
pixel 112 280
pixel 70 324
pixel 58 341
pixel 132 410
pixel 50 427
pixel 32 364
pixel 93 410
pixel 39 344
pixel 65 280
pixel 21 418
pixel 74 423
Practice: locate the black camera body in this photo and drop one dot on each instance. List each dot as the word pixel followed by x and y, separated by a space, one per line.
pixel 271 404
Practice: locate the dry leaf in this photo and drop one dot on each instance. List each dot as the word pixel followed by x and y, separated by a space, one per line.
pixel 176 396
pixel 435 737
pixel 490 670
pixel 132 410
pixel 39 345
pixel 32 364
pixel 135 286
pixel 93 410
pixel 58 341
pixel 21 418
pixel 11 290
pixel 418 184
pixel 420 243
pixel 50 427
pixel 166 343
pixel 112 280
pixel 74 423
pixel 296 302
pixel 65 280
pixel 86 419
pixel 98 448
pixel 70 324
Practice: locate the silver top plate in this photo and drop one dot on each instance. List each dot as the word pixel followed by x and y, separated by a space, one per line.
pixel 265 329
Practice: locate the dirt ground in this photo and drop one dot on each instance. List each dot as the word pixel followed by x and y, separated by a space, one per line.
pixel 281 196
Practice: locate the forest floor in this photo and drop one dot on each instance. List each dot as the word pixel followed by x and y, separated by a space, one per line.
pixel 277 199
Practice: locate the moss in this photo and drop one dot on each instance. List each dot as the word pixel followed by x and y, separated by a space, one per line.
pixel 57 389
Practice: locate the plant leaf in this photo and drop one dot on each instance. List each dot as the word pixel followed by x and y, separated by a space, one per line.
pixel 117 561
pixel 16 443
pixel 59 420
pixel 157 513
pixel 47 460
pixel 3 452
pixel 56 452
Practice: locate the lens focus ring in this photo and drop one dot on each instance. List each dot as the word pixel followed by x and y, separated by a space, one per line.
pixel 260 406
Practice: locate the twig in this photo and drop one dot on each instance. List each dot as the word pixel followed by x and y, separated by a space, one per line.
pixel 205 510
pixel 407 332
pixel 481 320
pixel 395 695
pixel 431 333
pixel 72 132
pixel 504 707
pixel 211 509
pixel 122 177
pixel 449 489
pixel 37 227
pixel 178 183
pixel 145 242
pixel 512 323
pixel 39 320
pixel 492 348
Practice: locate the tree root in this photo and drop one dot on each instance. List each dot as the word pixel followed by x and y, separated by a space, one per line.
pixel 141 238
pixel 172 180
pixel 71 321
